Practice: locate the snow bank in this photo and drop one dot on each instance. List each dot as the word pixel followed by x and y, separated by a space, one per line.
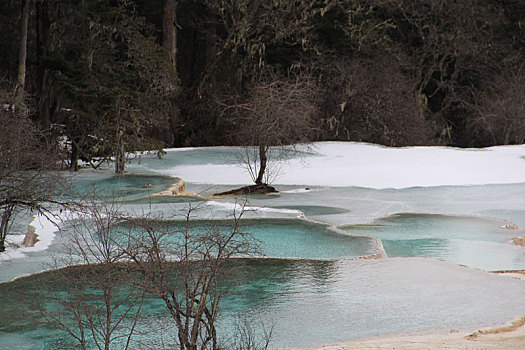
pixel 343 164
pixel 238 208
pixel 45 231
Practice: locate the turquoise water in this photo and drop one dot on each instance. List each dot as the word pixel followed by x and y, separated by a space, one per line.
pixel 289 238
pixel 121 187
pixel 311 302
pixel 277 238
pixel 472 241
pixel 313 295
pixel 198 156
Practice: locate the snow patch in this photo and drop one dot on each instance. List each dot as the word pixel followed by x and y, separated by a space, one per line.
pixel 44 229
pixel 300 190
pixel 353 164
pixel 230 207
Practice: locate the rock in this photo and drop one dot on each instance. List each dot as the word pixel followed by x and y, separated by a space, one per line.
pixel 253 189
pixel 177 189
pixel 31 237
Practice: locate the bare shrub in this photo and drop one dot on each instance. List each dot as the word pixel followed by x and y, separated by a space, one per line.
pixel 28 179
pixel 184 267
pixel 272 122
pixel 97 298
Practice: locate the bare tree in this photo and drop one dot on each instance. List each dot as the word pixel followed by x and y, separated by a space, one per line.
pixel 498 113
pixel 98 302
pixel 184 268
pixel 116 261
pixel 275 119
pixel 28 179
pixel 170 31
pixel 249 336
pixel 456 54
pixel 373 100
pixel 22 56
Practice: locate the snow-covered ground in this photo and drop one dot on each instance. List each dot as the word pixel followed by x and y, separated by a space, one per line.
pixel 45 232
pixel 344 164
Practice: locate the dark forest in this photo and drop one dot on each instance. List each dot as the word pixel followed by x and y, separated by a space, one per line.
pixel 116 76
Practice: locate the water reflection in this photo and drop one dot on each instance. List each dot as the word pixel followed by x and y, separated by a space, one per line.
pixel 315 302
pixel 289 238
pixel 321 302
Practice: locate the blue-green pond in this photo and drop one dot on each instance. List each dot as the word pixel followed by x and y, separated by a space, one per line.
pixel 308 283
pixel 311 302
pixel 473 241
pixel 289 238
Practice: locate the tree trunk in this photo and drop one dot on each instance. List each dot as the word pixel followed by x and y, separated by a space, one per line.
pixel 170 31
pixel 263 160
pixel 3 234
pixel 120 158
pixel 74 156
pixel 119 152
pixel 4 225
pixel 109 311
pixel 42 50
pixel 22 54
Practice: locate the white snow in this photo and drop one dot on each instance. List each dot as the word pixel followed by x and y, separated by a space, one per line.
pixel 300 190
pixel 11 252
pixel 238 208
pixel 45 231
pixel 344 164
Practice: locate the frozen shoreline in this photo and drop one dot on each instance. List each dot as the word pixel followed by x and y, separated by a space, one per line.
pixel 372 166
pixel 44 229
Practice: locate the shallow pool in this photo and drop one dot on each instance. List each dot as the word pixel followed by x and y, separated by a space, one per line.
pixel 291 238
pixel 314 302
pixel 474 241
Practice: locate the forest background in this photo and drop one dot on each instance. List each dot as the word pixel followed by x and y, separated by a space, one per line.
pixel 117 76
pixel 94 80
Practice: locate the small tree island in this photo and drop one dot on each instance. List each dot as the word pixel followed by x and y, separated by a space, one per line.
pixel 273 123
